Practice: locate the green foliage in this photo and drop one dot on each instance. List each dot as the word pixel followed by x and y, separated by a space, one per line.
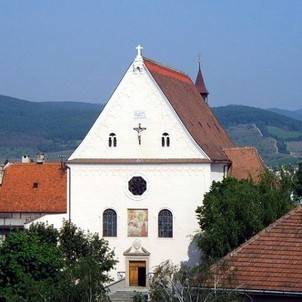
pixel 298 183
pixel 140 297
pixel 29 268
pixel 88 260
pixel 43 264
pixel 233 211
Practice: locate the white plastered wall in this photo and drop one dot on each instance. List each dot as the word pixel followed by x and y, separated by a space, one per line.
pixel 179 188
pixel 137 99
pixel 217 172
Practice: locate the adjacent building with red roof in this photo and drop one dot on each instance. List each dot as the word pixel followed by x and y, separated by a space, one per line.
pixel 29 191
pixel 268 267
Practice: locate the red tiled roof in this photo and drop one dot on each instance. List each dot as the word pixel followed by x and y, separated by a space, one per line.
pixel 272 259
pixel 246 163
pixel 194 113
pixel 35 188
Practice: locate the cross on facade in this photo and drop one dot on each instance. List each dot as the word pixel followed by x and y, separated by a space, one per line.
pixel 139 49
pixel 139 129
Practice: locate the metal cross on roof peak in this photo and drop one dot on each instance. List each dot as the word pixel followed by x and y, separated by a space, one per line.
pixel 139 49
pixel 139 129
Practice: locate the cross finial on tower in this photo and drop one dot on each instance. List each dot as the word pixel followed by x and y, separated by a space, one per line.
pixel 139 49
pixel 198 57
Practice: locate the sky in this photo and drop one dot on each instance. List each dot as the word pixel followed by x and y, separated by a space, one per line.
pixel 58 50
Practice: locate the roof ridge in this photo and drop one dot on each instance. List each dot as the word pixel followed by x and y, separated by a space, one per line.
pixel 167 67
pixel 265 230
pixel 237 148
pixel 34 163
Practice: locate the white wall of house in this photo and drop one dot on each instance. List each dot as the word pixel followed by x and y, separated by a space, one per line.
pixel 137 99
pixel 177 187
pixel 218 171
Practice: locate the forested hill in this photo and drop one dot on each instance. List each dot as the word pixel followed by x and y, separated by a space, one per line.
pixel 30 127
pixel 296 114
pixel 56 128
pixel 233 115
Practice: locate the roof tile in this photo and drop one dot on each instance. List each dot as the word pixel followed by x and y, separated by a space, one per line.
pixel 18 194
pixel 271 260
pixel 194 113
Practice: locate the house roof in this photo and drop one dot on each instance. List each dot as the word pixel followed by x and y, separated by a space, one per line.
pixel 246 163
pixel 34 188
pixel 190 107
pixel 272 259
pixel 200 84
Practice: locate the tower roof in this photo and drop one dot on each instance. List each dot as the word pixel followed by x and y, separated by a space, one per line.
pixel 200 84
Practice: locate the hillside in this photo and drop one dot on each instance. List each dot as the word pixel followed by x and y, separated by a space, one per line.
pixel 296 114
pixel 277 137
pixel 57 128
pixel 31 127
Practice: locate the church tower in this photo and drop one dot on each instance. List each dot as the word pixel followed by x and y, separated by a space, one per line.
pixel 200 85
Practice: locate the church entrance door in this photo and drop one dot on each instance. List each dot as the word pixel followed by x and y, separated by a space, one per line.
pixel 137 273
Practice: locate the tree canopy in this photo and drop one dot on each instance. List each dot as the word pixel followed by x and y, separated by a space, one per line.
pixel 298 183
pixel 44 264
pixel 233 211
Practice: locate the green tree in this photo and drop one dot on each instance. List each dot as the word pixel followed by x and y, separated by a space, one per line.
pixel 275 190
pixel 233 211
pixel 44 264
pixel 298 183
pixel 230 214
pixel 88 260
pixel 29 268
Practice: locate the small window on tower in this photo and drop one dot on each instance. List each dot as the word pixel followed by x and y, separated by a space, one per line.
pixel 165 140
pixel 112 141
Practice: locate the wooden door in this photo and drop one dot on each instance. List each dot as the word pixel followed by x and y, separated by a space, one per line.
pixel 135 279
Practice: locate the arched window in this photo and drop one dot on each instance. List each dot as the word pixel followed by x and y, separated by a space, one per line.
pixel 165 140
pixel 112 141
pixel 165 224
pixel 109 223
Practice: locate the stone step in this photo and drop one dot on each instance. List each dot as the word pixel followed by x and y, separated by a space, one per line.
pixel 122 296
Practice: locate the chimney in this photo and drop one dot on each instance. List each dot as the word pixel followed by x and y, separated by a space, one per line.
pixel 25 159
pixel 40 158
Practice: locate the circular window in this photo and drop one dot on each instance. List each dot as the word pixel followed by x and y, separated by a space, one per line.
pixel 137 185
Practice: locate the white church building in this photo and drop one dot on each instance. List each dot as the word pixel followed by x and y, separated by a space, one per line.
pixel 143 168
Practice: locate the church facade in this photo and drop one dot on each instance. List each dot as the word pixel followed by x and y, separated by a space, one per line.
pixel 143 168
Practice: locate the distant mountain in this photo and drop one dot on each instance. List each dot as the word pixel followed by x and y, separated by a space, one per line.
pixel 57 128
pixel 296 114
pixel 31 127
pixel 277 137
